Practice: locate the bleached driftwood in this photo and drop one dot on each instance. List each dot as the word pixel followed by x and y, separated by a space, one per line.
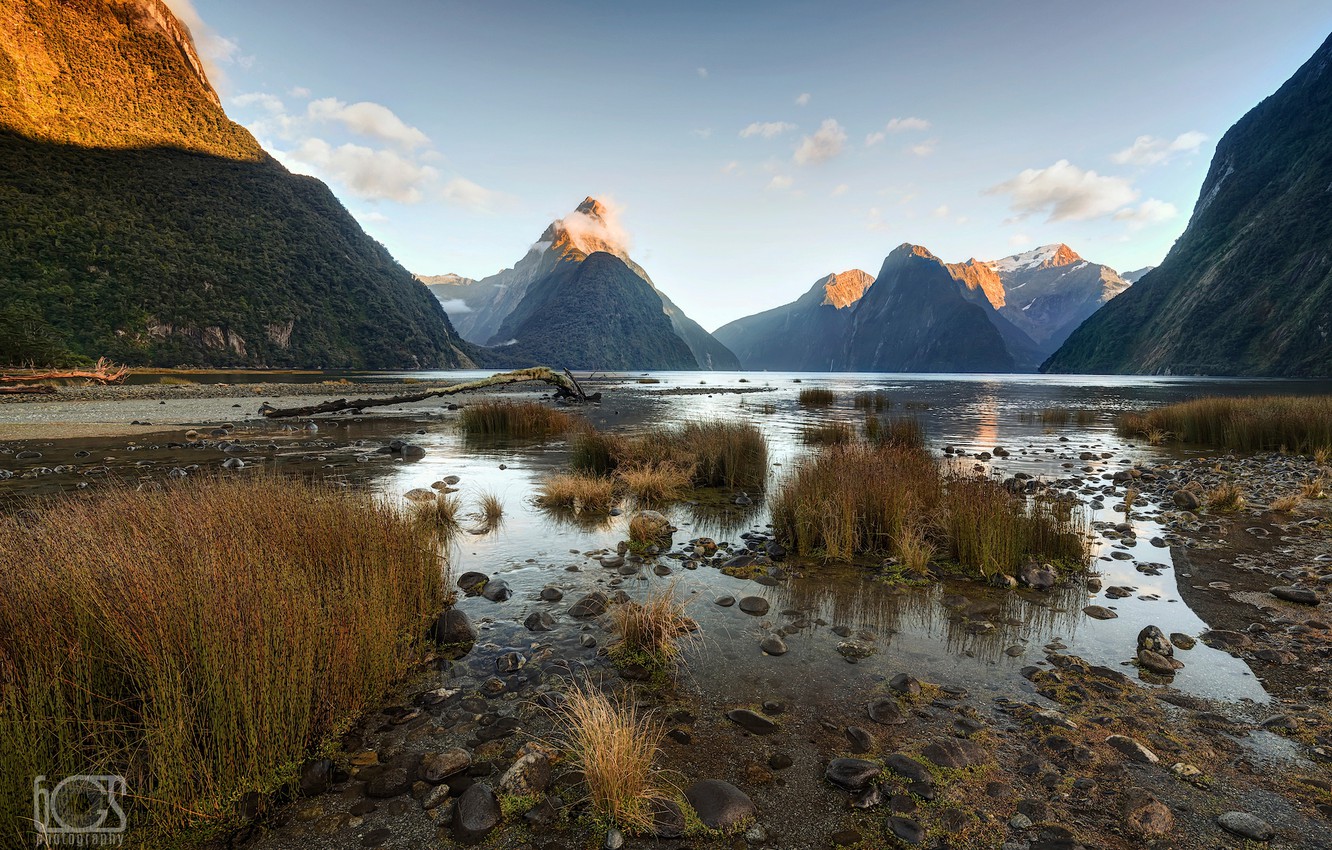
pixel 105 372
pixel 565 387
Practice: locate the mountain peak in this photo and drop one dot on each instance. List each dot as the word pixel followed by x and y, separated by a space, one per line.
pixel 844 289
pixel 592 207
pixel 1044 257
pixel 908 249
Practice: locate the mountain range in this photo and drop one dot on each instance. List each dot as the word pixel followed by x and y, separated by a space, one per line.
pixel 138 222
pixel 1247 288
pixel 515 308
pixel 1000 315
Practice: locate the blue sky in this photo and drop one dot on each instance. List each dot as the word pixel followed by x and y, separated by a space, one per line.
pixel 751 148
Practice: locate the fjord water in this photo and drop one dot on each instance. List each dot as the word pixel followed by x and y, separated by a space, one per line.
pixel 913 629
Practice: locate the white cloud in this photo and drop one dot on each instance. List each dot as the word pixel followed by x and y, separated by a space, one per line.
pixel 904 125
pixel 465 193
pixel 1149 150
pixel 766 129
pixel 840 189
pixel 267 102
pixel 594 233
pixel 874 220
pixel 802 99
pixel 925 148
pixel 1065 192
pixel 825 144
pixel 702 73
pixel 732 167
pixel 1019 240
pixel 780 181
pixel 214 50
pixel 367 119
pixel 377 175
pixel 1149 212
pixel 299 91
pixel 874 138
pixel 941 211
pixel 455 306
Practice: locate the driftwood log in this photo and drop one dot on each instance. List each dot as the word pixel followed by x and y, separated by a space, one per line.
pixel 565 387
pixel 105 372
pixel 28 389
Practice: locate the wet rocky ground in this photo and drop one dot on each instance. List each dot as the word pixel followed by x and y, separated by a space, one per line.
pixel 1175 696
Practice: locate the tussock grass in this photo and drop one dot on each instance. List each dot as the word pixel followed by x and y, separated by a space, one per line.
pixel 1287 503
pixel 903 432
pixel 817 397
pixel 594 451
pixel 655 485
pixel 614 748
pixel 492 509
pixel 652 632
pixel 875 400
pixel 438 516
pixel 862 499
pixel 827 434
pixel 200 639
pixel 1300 424
pixel 1226 497
pixel 579 492
pixel 1315 489
pixel 726 454
pixel 513 419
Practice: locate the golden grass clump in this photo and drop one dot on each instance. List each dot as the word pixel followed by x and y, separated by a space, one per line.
pixel 1226 497
pixel 655 485
pixel 200 640
pixel 1301 424
pixel 817 397
pixel 1314 489
pixel 513 419
pixel 646 527
pixel 827 434
pixel 862 499
pixel 438 515
pixel 594 451
pixel 875 400
pixel 903 432
pixel 651 632
pixel 1287 503
pixel 726 454
pixel 579 492
pixel 614 748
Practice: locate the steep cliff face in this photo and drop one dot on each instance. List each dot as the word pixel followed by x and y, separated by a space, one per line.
pixel 483 306
pixel 805 335
pixel 918 318
pixel 138 222
pixel 1247 288
pixel 628 330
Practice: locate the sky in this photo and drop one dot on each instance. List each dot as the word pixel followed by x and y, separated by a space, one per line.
pixel 751 148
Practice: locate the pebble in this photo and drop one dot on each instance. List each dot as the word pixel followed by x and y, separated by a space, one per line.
pixel 1246 825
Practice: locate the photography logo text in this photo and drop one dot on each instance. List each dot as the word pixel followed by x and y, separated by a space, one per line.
pixel 79 811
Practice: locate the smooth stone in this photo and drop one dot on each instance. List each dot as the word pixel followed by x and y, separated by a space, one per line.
pixel 539 621
pixel 851 774
pixel 496 590
pixel 754 605
pixel 720 805
pixel 1298 595
pixel 436 767
pixel 906 829
pixel 1131 748
pixel 391 783
pixel 955 752
pixel 592 605
pixel 773 645
pixel 1099 612
pixel 725 601
pixel 476 813
pixel 905 766
pixel 452 627
pixel 751 721
pixel 861 740
pixel 886 710
pixel 1246 825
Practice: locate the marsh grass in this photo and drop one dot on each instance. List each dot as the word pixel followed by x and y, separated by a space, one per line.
pixel 827 434
pixel 579 492
pixel 656 485
pixel 902 432
pixel 652 632
pixel 1315 489
pixel 594 451
pixel 614 747
pixel 817 397
pixel 524 419
pixel 439 516
pixel 1287 503
pixel 648 527
pixel 1226 497
pixel 201 639
pixel 874 400
pixel 1301 424
pixel 861 499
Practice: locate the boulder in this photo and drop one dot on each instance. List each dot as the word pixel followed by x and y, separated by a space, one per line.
pixel 720 805
pixel 476 813
pixel 851 774
pixel 452 627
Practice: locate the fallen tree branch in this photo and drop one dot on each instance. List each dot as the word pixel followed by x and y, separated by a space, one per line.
pixel 565 387
pixel 105 372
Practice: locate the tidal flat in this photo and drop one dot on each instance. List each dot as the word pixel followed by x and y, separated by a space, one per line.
pixel 1172 691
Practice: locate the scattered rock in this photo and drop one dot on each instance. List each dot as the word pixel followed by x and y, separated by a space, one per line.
pixel 773 645
pixel 1099 612
pixel 1154 639
pixel 592 605
pixel 751 721
pixel 851 774
pixel 476 813
pixel 1146 815
pixel 955 752
pixel 754 605
pixel 887 711
pixel 906 830
pixel 720 805
pixel 1131 748
pixel 1246 825
pixel 1298 595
